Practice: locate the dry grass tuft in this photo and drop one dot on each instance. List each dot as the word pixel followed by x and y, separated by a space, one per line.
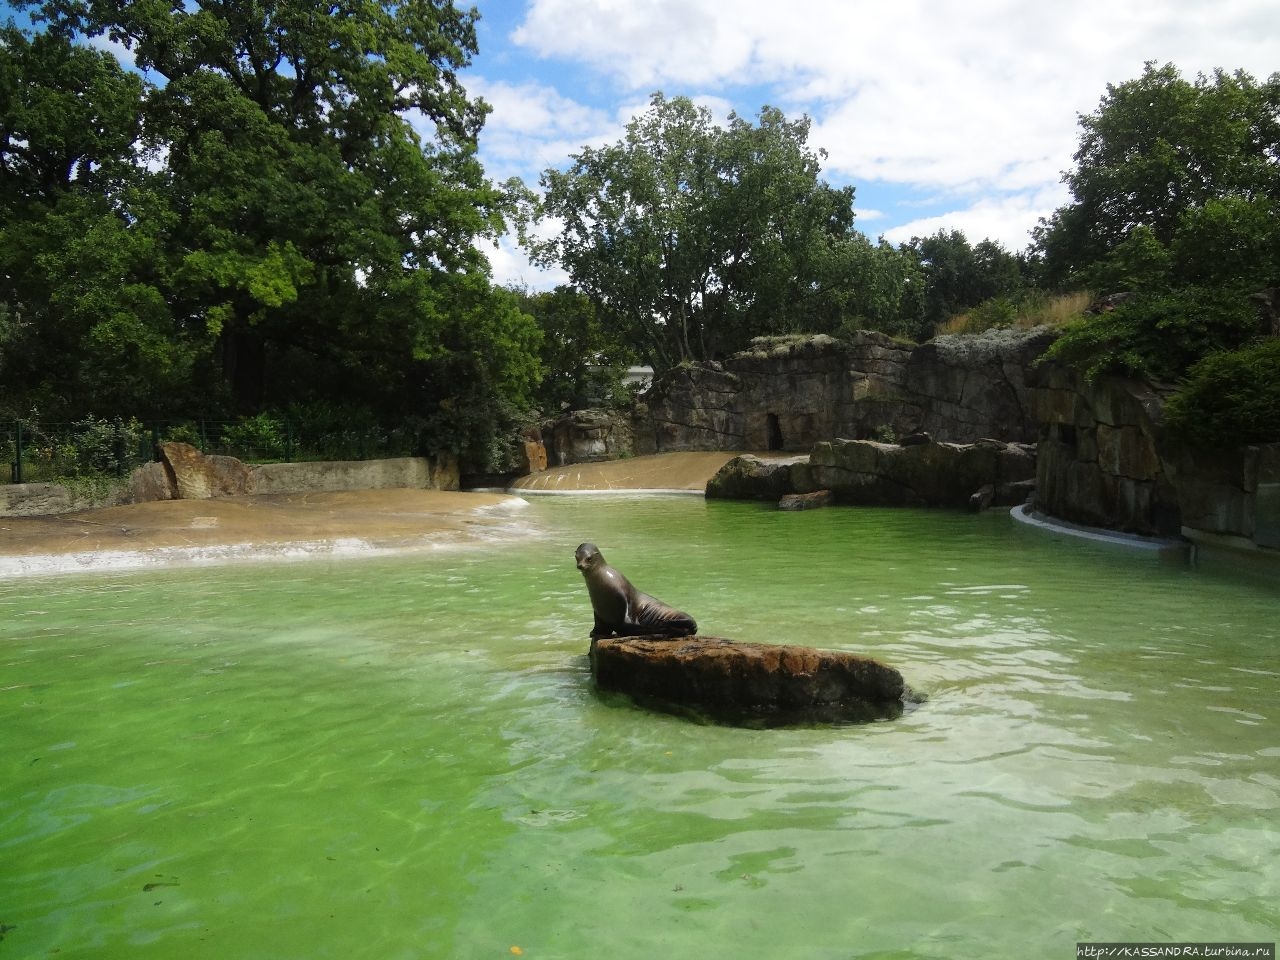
pixel 1033 310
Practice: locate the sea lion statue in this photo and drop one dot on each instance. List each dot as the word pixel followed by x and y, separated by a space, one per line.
pixel 620 609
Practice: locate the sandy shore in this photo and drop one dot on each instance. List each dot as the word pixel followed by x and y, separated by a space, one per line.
pixel 677 472
pixel 282 525
pixel 312 524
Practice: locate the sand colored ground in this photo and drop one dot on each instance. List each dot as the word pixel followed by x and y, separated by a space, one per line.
pixel 379 518
pixel 664 471
pixel 310 523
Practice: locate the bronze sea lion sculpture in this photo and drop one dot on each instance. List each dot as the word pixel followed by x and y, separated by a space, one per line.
pixel 623 610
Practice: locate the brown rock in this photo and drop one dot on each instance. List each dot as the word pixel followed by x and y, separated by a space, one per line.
pixel 197 477
pixel 749 477
pixel 981 500
pixel 805 501
pixel 748 683
pixel 535 457
pixel 150 482
pixel 864 472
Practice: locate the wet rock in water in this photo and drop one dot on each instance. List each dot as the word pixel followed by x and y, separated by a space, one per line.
pixel 749 684
pixel 981 500
pixel 749 477
pixel 805 501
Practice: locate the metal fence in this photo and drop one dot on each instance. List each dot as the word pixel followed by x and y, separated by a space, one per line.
pixel 39 452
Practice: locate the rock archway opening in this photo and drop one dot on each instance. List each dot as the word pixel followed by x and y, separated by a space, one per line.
pixel 774 430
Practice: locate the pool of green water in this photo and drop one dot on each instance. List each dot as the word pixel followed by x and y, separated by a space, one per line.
pixel 403 757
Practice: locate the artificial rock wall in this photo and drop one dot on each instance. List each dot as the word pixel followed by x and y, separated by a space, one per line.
pixel 789 393
pixel 1104 459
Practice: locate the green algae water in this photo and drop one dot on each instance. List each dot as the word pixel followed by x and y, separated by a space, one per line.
pixel 403 757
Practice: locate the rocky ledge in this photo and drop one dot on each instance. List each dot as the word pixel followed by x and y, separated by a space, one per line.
pixel 917 472
pixel 749 684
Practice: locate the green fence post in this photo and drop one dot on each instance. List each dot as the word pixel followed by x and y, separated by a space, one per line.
pixel 17 452
pixel 288 441
pixel 120 453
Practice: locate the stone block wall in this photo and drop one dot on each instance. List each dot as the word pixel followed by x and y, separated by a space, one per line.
pixel 1104 459
pixel 788 393
pixel 1097 458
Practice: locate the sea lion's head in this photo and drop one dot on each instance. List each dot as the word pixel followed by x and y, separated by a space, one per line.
pixel 588 556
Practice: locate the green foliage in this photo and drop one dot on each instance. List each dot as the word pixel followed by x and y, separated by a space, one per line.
pixel 1173 200
pixel 1023 310
pixel 581 357
pixel 86 451
pixel 885 290
pixel 282 207
pixel 1231 397
pixel 998 313
pixel 182 433
pixel 80 221
pixel 258 438
pixel 958 276
pixel 690 238
pixel 1157 336
pixel 1138 262
pixel 1194 160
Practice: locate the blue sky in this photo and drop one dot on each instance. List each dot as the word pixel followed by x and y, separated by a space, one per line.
pixel 946 114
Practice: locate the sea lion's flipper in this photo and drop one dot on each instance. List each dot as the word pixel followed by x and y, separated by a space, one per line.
pixel 654 616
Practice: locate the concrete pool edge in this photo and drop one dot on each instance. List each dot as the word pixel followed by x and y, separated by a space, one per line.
pixel 1162 547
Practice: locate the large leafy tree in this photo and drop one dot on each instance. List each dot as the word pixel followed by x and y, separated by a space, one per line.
pixel 690 238
pixel 85 322
pixel 1178 159
pixel 582 359
pixel 959 276
pixel 323 197
pixel 1174 202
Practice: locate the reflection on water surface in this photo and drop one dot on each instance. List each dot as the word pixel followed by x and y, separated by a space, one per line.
pixel 402 757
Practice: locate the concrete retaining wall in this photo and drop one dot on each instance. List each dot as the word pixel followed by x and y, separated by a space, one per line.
pixel 410 472
pixel 200 477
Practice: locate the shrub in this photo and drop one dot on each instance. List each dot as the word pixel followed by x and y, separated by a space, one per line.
pixel 1024 310
pixel 260 437
pixel 1230 398
pixel 1157 336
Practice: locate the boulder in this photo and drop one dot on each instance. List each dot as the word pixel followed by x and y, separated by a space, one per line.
pixel 925 474
pixel 198 477
pixel 983 498
pixel 805 501
pixel 748 684
pixel 588 436
pixel 150 482
pixel 749 477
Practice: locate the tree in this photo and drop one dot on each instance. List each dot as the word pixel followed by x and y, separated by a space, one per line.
pixel 958 276
pixel 89 328
pixel 323 196
pixel 581 359
pixel 690 238
pixel 1156 150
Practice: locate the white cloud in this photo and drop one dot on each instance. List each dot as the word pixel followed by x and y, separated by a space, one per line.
pixel 978 95
pixel 510 267
pixel 510 264
pixel 974 102
pixel 533 126
pixel 1008 220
